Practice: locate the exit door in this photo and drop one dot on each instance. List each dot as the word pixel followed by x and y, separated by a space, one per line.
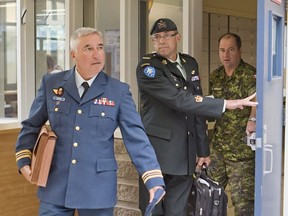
pixel 270 65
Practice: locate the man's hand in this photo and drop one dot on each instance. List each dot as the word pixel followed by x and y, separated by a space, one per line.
pixel 152 193
pixel 241 103
pixel 26 172
pixel 250 127
pixel 201 161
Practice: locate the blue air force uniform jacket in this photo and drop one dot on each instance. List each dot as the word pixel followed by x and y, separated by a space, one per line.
pixel 83 172
pixel 173 111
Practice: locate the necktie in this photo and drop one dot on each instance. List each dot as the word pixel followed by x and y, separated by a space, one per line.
pixel 86 87
pixel 181 69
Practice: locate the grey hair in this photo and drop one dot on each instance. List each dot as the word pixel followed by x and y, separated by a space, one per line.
pixel 82 32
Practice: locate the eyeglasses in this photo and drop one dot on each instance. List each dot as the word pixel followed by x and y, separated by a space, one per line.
pixel 166 36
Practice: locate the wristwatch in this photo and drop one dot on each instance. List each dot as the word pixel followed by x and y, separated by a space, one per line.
pixel 253 119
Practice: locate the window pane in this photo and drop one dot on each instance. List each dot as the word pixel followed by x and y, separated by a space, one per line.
pixel 108 23
pixel 8 68
pixel 50 37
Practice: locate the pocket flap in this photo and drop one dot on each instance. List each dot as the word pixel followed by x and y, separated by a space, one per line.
pixel 156 131
pixel 106 165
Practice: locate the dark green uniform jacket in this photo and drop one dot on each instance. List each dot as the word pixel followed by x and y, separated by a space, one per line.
pixel 173 112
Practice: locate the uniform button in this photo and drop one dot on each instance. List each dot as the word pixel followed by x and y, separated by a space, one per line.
pixel 75 144
pixel 77 128
pixel 186 117
pixel 103 114
pixel 188 132
pixel 176 84
pixel 56 109
pixel 185 87
pixel 197 87
pixel 79 111
pixel 74 161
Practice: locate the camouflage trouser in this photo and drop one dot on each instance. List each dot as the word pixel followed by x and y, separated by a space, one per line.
pixel 241 177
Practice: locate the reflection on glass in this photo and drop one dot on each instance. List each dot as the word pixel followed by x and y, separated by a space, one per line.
pixel 274 45
pixel 8 66
pixel 50 37
pixel 109 24
pixel 112 49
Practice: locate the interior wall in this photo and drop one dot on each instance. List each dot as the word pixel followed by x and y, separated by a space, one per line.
pixel 243 8
pixel 18 197
pixel 103 16
pixel 218 18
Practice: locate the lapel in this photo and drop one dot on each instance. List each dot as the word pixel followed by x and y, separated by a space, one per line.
pixel 69 84
pixel 174 70
pixel 188 69
pixel 96 89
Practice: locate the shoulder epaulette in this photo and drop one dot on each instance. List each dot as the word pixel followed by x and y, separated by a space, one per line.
pixel 185 56
pixel 149 56
pixel 153 57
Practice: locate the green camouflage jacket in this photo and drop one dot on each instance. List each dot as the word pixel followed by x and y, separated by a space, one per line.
pixel 230 129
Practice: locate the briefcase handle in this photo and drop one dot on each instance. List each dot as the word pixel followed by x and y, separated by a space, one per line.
pixel 203 171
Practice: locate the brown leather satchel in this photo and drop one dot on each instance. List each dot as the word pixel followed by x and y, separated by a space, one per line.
pixel 42 156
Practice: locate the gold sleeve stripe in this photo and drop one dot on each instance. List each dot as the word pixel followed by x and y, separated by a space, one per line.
pixel 23 154
pixel 151 174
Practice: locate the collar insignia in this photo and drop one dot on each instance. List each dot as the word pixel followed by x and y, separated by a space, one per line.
pixel 164 62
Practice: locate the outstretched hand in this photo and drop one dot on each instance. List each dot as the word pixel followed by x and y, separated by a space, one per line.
pixel 241 103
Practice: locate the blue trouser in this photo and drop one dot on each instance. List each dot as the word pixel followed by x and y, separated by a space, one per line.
pixel 47 209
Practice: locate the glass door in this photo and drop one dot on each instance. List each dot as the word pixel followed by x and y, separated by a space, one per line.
pixel 8 58
pixel 50 37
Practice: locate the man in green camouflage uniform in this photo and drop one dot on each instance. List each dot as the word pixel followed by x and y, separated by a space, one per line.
pixel 233 161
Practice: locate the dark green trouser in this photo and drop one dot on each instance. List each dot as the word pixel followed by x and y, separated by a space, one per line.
pixel 241 177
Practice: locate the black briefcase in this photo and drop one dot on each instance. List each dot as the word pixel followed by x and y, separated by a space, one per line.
pixel 207 197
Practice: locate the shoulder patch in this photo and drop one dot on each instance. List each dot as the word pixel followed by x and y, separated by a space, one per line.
pixel 150 71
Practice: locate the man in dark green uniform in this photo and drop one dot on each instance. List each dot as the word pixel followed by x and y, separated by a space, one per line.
pixel 232 160
pixel 172 113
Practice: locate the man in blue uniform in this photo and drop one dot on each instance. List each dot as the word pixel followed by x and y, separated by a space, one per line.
pixel 83 174
pixel 173 113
